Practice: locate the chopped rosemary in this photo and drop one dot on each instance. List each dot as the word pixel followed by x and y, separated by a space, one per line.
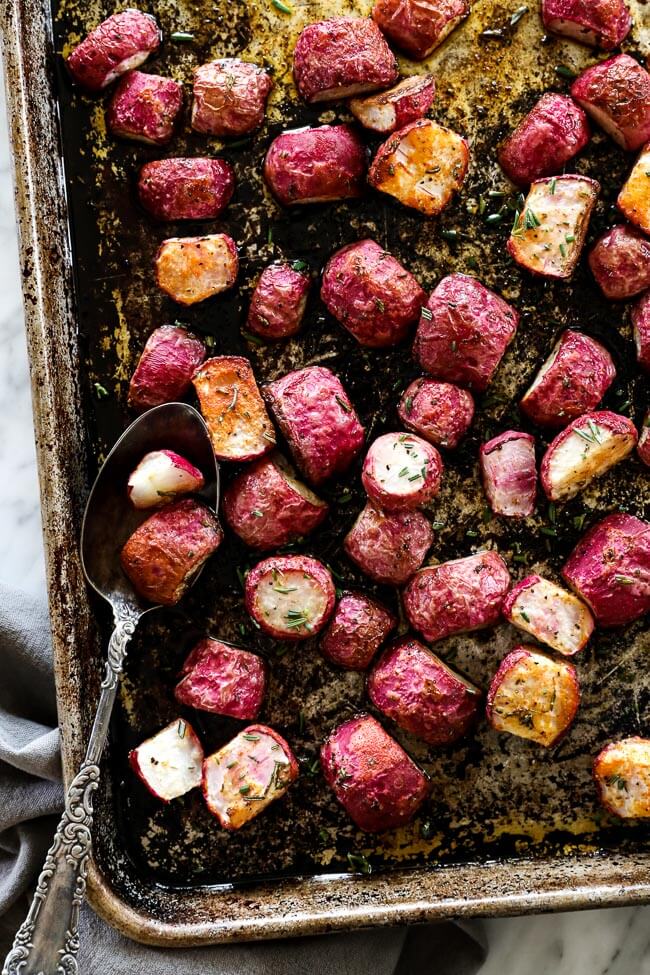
pixel 181 36
pixel 616 780
pixel 285 589
pixel 344 406
pixel 360 863
pixel 494 218
pixel 250 737
pixel 426 313
pixel 517 15
pixel 524 616
pixel 564 72
pixel 233 402
pixel 553 185
pixel 257 513
pixel 282 6
pixel 101 391
pixel 299 265
pixel 181 729
pixel 624 580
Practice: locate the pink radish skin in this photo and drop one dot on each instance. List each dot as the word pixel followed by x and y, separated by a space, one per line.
pixel 616 94
pixel 440 412
pixel 409 100
pixel 554 131
pixel 160 477
pixel 509 474
pixel 120 43
pixel 641 326
pixel 144 108
pixel 600 23
pixel 229 97
pixel 356 631
pixel 222 679
pixel 418 27
pixel 457 596
pixel 165 368
pixel 371 775
pixel 422 695
pixel 610 569
pixel 389 546
pixel 316 165
pixel 334 59
pixel 572 381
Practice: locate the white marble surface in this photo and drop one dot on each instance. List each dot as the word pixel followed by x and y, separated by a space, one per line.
pixel 612 942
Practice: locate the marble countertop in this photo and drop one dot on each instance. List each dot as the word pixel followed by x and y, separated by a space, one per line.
pixel 608 942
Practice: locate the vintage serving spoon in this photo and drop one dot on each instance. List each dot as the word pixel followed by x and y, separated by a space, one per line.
pixel 48 940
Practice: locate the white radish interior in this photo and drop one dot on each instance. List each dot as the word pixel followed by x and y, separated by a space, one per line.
pixel 559 208
pixel 298 486
pixel 158 479
pixel 624 775
pixel 583 456
pixel 553 616
pixel 245 776
pixel 170 762
pixel 528 702
pixel 291 601
pixel 128 64
pixel 543 370
pixel 398 465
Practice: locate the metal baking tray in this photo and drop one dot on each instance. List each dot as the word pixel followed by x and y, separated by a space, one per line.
pixel 510 828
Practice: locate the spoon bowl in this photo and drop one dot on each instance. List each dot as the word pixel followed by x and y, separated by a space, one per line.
pixel 110 518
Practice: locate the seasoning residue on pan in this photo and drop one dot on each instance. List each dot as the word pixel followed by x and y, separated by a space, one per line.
pixel 493 796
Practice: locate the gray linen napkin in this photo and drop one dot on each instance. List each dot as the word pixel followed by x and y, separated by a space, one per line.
pixel 31 797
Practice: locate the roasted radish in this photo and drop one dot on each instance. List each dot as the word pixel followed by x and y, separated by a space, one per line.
pixel 634 199
pixel 440 412
pixel 371 294
pixel 317 420
pixel 279 301
pixel 610 569
pixel 641 327
pixel 191 269
pixel 599 23
pixel 389 546
pixel 319 165
pixel 229 97
pixel 164 554
pixel 267 506
pixel 584 450
pixel 409 100
pixel 550 614
pixel 622 777
pixel 186 189
pixel 422 695
pixel 616 93
pixel 170 762
pixel 291 597
pixel 247 774
pixel 418 27
pixel 422 165
pixel 165 368
pixel 401 471
pixel 232 407
pixel 572 381
pixel 344 56
pixel 509 474
pixel 222 679
pixel 620 262
pixel 533 696
pixel 356 631
pixel 144 108
pixel 458 596
pixel 160 477
pixel 554 131
pixel 548 235
pixel 372 777
pixel 463 332
pixel 121 43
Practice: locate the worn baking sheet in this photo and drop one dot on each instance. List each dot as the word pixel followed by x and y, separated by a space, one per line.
pixel 509 827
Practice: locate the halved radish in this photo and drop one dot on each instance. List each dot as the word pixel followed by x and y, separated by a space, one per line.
pixel 191 269
pixel 160 477
pixel 550 614
pixel 586 449
pixel 291 596
pixel 401 472
pixel 247 774
pixel 509 474
pixel 533 696
pixel 622 776
pixel 169 763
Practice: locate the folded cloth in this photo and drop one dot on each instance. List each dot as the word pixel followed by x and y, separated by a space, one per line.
pixel 32 796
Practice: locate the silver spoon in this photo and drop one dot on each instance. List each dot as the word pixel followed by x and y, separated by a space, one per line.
pixel 47 941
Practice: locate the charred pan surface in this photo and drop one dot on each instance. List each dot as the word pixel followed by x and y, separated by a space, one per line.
pixel 495 797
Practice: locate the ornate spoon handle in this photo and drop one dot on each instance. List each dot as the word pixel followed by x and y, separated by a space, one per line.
pixel 48 939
